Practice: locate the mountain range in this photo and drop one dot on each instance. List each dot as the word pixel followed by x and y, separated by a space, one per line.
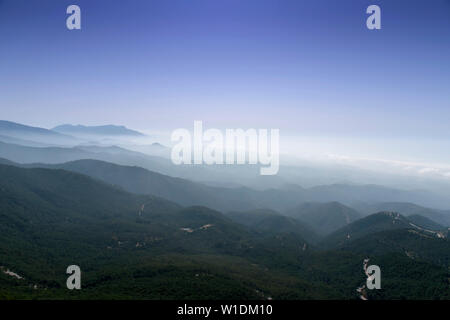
pixel 106 130
pixel 147 247
pixel 382 221
pixel 142 228
pixel 408 209
pixel 63 135
pixel 324 218
pixel 141 181
pixel 21 133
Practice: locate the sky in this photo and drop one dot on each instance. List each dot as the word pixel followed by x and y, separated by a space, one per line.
pixel 309 68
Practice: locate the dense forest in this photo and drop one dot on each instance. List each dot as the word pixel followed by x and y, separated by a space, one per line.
pixel 132 246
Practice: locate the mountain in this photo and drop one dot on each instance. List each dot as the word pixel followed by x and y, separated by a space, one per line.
pixel 269 222
pixel 23 154
pixel 141 181
pixel 425 222
pixel 143 246
pixel 356 196
pixel 106 130
pixel 56 189
pixel 138 180
pixel 51 218
pixel 409 242
pixel 378 222
pixel 9 163
pixel 324 218
pixel 438 216
pixel 62 204
pixel 22 142
pixel 154 149
pixel 114 154
pixel 42 209
pixel 16 133
pixel 131 246
pixel 54 155
pixel 349 194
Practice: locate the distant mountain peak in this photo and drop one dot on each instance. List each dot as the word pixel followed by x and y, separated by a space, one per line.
pixel 107 130
pixel 16 133
pixel 9 126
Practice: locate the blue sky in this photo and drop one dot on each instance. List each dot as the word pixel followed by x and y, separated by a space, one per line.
pixel 310 68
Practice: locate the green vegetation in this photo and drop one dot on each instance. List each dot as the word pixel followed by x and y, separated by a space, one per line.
pixel 133 246
pixel 269 222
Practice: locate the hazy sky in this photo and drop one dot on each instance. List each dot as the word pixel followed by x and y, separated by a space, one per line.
pixel 310 68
